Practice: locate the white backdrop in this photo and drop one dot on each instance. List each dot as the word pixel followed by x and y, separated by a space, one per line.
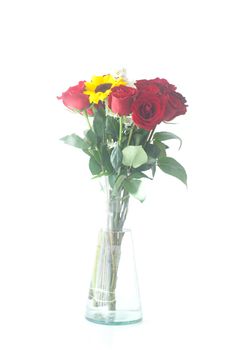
pixel 50 211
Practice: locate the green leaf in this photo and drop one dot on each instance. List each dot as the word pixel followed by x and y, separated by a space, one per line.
pixel 102 173
pixel 91 138
pixel 75 140
pixel 94 167
pixel 99 125
pixel 95 153
pixel 112 127
pixel 165 135
pixel 153 169
pixel 116 157
pixel 99 112
pixel 112 179
pixel 152 151
pixel 134 156
pixel 118 183
pixel 105 157
pixel 140 137
pixel 162 147
pixel 139 175
pixel 172 167
pixel 133 187
pixel 145 167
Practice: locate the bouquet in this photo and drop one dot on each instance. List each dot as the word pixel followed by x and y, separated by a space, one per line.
pixel 124 148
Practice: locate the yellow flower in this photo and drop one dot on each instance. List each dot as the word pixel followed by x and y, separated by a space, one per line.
pixel 99 87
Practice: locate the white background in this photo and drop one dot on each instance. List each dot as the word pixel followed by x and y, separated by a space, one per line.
pixel 50 209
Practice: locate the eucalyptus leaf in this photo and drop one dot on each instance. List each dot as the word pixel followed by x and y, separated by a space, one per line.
pixel 172 167
pixel 153 152
pixel 134 156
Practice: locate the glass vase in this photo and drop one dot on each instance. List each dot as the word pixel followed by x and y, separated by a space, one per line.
pixel 114 294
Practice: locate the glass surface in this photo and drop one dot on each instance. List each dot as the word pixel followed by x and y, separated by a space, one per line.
pixel 114 295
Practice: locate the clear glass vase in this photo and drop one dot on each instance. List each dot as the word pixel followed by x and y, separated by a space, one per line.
pixel 114 295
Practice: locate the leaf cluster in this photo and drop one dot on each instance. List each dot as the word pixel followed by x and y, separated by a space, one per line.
pixel 127 158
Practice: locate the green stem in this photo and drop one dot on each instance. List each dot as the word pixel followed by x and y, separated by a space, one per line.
pixel 87 118
pixel 150 136
pixel 97 149
pixel 120 130
pixel 130 135
pixel 104 281
pixel 88 121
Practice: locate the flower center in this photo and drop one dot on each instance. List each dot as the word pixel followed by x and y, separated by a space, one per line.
pixel 147 110
pixel 103 87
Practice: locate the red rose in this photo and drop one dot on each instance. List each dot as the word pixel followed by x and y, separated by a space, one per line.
pixel 148 110
pixel 160 85
pixel 121 98
pixel 175 101
pixel 75 98
pixel 175 106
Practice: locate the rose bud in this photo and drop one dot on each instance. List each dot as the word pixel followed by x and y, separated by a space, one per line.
pixel 121 98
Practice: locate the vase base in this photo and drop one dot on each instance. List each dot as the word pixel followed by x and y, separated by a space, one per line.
pixel 115 318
